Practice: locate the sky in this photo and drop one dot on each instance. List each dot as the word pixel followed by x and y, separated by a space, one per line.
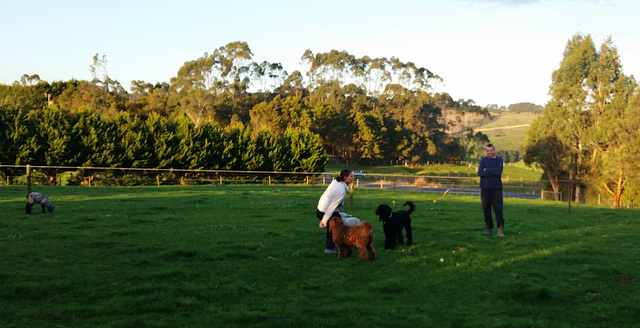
pixel 490 51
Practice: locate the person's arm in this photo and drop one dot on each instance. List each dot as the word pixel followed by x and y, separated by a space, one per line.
pixel 482 168
pixel 336 193
pixel 495 171
pixel 336 200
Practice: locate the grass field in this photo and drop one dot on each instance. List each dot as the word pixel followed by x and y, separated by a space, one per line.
pixel 251 256
pixel 511 173
pixel 507 130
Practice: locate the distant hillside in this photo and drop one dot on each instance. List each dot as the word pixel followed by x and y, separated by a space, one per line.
pixel 507 130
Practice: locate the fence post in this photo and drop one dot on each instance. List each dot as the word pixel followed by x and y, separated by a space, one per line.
pixel 541 193
pixel 28 179
pixel 569 197
pixel 221 180
pixel 269 180
pixel 351 196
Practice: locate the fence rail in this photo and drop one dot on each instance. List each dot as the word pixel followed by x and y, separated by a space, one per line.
pixel 110 176
pixel 462 183
pixel 116 176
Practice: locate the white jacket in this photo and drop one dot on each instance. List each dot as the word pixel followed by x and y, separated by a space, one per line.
pixel 332 199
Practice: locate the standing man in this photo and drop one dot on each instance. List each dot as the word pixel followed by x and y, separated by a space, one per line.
pixel 490 172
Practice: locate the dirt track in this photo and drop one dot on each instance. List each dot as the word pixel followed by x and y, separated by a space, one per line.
pixel 503 127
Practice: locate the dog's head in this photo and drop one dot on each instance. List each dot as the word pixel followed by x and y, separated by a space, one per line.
pixel 336 223
pixel 384 212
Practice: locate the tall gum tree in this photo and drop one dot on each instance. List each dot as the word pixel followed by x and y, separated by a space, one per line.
pixel 589 121
pixel 569 101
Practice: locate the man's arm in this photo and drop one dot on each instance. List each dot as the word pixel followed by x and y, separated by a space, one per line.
pixel 496 171
pixel 482 170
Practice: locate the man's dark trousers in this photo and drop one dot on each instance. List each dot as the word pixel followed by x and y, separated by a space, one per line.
pixel 492 198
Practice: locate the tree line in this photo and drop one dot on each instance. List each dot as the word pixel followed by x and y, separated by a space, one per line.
pixel 586 139
pixel 55 137
pixel 364 110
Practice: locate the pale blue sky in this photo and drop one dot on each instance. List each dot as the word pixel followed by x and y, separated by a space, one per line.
pixel 492 51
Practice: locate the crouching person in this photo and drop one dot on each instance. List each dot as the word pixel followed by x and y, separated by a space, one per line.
pixel 39 198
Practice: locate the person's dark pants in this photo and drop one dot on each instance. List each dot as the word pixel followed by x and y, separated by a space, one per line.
pixel 329 241
pixel 492 198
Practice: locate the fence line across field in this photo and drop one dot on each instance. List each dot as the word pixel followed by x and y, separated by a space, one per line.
pixel 462 183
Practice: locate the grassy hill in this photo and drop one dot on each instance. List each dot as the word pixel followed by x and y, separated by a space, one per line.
pixel 507 130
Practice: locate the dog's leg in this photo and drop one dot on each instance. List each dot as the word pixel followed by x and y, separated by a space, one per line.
pixel 389 238
pixel 372 251
pixel 43 209
pixel 409 235
pixel 349 251
pixel 363 252
pixel 27 210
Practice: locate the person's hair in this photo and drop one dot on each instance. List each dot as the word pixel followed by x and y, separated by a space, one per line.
pixel 344 173
pixel 492 146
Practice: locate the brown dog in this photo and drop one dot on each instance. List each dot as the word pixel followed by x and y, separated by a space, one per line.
pixel 345 237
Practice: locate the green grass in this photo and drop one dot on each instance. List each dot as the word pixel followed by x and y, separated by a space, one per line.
pixel 515 173
pixel 497 121
pixel 511 143
pixel 251 256
pixel 507 130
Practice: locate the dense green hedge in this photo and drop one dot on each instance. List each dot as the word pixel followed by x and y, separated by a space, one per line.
pixel 62 138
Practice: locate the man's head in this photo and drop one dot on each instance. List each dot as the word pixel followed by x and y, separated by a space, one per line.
pixel 491 151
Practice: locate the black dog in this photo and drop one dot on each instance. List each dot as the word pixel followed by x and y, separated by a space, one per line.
pixel 394 222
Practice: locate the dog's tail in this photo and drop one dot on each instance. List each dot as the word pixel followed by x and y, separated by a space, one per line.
pixel 411 206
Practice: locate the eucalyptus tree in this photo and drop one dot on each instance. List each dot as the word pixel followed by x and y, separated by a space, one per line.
pixel 615 147
pixel 326 68
pixel 377 76
pixel 234 62
pixel 570 99
pixel 81 94
pixel 281 113
pixel 30 93
pixel 199 82
pixel 369 140
pixel 270 116
pixel 613 130
pixel 100 72
pixel 587 121
pixel 268 76
pixel 293 85
pixel 331 119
